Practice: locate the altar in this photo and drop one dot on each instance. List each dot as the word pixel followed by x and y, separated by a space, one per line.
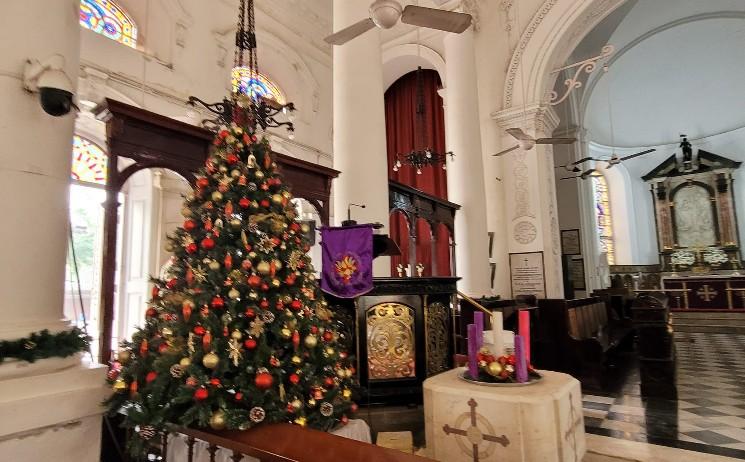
pixel 480 423
pixel 713 292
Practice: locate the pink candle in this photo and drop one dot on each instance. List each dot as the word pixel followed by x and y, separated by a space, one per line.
pixel 473 366
pixel 521 364
pixel 478 319
pixel 524 331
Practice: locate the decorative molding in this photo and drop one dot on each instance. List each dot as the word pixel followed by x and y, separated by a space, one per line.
pixel 509 20
pixel 587 66
pixel 472 7
pixel 524 232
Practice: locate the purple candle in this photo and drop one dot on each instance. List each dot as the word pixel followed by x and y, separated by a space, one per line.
pixel 473 366
pixel 521 365
pixel 478 319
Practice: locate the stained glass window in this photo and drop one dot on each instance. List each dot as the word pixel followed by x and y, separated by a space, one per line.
pixel 88 161
pixel 107 19
pixel 603 219
pixel 256 85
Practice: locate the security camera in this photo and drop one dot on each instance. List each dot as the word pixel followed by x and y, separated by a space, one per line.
pixel 49 80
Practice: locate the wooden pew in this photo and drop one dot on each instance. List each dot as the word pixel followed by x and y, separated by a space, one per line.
pixel 584 334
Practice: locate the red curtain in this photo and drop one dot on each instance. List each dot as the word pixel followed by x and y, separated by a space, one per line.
pixel 399 232
pixel 400 124
pixel 424 246
pixel 442 234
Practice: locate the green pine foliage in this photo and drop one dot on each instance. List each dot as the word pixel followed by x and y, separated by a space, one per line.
pixel 237 333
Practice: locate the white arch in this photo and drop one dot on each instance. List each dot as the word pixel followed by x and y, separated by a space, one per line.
pixel 402 59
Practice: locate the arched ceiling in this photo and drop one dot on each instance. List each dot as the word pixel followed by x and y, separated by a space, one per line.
pixel 679 67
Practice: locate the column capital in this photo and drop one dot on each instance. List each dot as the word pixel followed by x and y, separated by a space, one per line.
pixel 541 118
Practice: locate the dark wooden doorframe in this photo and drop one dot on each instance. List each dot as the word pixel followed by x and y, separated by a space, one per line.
pixel 155 141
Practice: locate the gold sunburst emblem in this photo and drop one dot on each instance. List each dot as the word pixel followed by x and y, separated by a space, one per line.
pixel 346 268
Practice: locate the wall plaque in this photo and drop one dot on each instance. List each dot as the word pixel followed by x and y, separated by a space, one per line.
pixel 577 274
pixel 527 275
pixel 570 242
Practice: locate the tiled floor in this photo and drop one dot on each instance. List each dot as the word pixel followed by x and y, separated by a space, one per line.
pixel 709 414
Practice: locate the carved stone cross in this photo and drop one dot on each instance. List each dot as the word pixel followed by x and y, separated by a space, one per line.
pixel 474 434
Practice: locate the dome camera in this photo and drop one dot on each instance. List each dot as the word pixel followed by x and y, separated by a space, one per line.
pixel 51 83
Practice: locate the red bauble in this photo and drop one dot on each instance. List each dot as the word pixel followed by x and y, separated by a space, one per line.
pixel 218 303
pixel 290 280
pixel 201 394
pixel 228 261
pixel 189 225
pixel 162 347
pixel 246 264
pixel 329 382
pixel 152 375
pixel 143 348
pixel 113 374
pixel 224 134
pixel 202 183
pixel 264 203
pixel 199 330
pixel 208 243
pixel 239 396
pixel 191 248
pixel 264 286
pixel 244 203
pixel 151 312
pixel 250 344
pixel 328 336
pixel 264 304
pixel 296 305
pixel 313 329
pixel 290 408
pixel 264 381
pixel 296 339
pixel 171 283
pixel 254 281
pixel 231 159
pixel 354 407
pixel 156 292
pixel 191 382
pixel 250 312
pixel 295 227
pixel 215 382
pixel 294 379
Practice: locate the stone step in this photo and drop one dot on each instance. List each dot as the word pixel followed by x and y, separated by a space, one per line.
pixel 709 328
pixel 708 315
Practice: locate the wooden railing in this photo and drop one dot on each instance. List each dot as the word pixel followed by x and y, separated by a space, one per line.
pixel 279 443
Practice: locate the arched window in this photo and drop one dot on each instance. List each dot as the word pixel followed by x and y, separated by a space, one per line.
pixel 88 161
pixel 107 19
pixel 256 85
pixel 603 219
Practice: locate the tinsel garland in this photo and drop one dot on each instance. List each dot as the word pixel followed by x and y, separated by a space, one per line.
pixel 43 344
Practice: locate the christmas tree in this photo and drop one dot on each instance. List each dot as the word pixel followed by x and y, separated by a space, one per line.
pixel 237 332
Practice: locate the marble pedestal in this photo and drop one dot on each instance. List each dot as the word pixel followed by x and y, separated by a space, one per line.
pixel 473 423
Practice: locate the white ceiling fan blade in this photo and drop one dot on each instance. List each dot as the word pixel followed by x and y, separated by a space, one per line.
pixel 432 18
pixel 518 134
pixel 348 33
pixel 555 140
pixel 501 153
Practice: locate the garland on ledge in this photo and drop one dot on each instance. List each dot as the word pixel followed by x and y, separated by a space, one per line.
pixel 42 345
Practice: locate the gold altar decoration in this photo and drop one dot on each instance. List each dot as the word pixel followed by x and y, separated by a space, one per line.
pixel 437 338
pixel 390 341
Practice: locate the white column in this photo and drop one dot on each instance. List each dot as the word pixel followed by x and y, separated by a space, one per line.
pixel 466 172
pixel 51 407
pixel 359 125
pixel 531 218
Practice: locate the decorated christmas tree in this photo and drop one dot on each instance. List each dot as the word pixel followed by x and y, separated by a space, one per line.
pixel 237 332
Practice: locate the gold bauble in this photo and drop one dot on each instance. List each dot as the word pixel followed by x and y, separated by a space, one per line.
pixel 347 393
pixel 286 333
pixel 311 341
pixel 185 362
pixel 236 334
pixel 234 294
pixel 253 295
pixel 340 373
pixel 263 267
pixel 223 169
pixel 348 373
pixel 217 196
pixel 296 403
pixel 259 174
pixel 330 351
pixel 119 385
pixel 235 174
pixel 186 212
pixel 297 360
pixel 276 283
pixel 304 228
pixel 167 332
pixel 210 360
pixel 278 264
pixel 235 223
pixel 214 265
pixel 277 198
pixel 252 254
pixel 124 356
pixel 494 369
pixel 217 421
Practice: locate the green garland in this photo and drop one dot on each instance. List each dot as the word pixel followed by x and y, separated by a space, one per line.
pixel 41 345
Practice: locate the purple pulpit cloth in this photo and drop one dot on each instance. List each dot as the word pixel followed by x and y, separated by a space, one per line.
pixel 347 260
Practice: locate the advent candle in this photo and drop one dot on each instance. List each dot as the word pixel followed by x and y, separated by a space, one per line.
pixel 473 350
pixel 497 324
pixel 478 320
pixel 524 331
pixel 521 365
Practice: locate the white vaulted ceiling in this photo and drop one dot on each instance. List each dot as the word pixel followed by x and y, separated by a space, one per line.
pixel 679 67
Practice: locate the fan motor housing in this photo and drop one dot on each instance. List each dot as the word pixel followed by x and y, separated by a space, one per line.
pixel 385 13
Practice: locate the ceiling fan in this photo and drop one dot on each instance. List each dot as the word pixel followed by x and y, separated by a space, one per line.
pixel 584 175
pixel 526 142
pixel 386 13
pixel 614 160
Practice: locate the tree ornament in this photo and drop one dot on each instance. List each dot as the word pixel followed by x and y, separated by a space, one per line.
pixel 143 348
pixel 213 265
pixel 328 336
pixel 259 174
pixel 119 385
pixel 254 281
pixel 294 379
pixel 236 334
pixel 186 308
pixel 252 187
pixel 199 330
pixel 147 432
pixel 296 305
pixel 311 402
pixel 208 243
pixel 328 382
pixel 231 159
pixel 189 225
pixel 238 396
pixel 133 388
pixel 234 294
pixel 346 393
pixel 311 341
pixel 210 360
pixel 277 199
pixel 302 421
pixel 257 414
pixel 202 182
pixel 263 267
pixel 112 374
pixel 172 283
pixel 250 344
pixel 326 409
pixel 192 382
pixel 264 381
pixel 185 362
pixel 494 369
pixel 296 404
pixel 200 394
pixel 217 421
pixel 186 212
pixel 216 196
pixel 207 341
pixel 250 313
pixel 176 371
pixel 297 360
pixel 218 303
pixel 123 356
pixel 296 339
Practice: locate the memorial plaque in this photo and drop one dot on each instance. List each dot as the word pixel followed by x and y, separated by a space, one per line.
pixel 577 273
pixel 570 242
pixel 527 276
